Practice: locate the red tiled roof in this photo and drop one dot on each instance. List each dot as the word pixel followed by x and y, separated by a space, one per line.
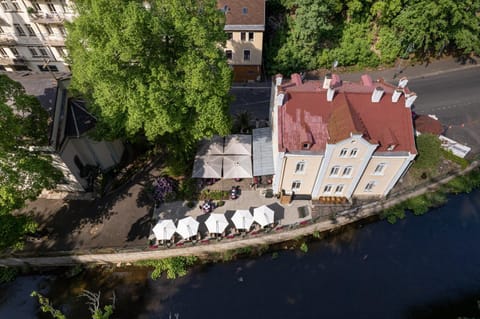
pixel 235 15
pixel 427 124
pixel 307 111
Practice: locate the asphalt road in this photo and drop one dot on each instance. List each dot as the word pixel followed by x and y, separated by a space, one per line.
pixel 454 97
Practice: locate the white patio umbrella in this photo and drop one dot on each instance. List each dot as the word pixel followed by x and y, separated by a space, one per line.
pixel 242 219
pixel 263 215
pixel 164 229
pixel 238 145
pixel 207 167
pixel 213 146
pixel 237 166
pixel 187 227
pixel 216 223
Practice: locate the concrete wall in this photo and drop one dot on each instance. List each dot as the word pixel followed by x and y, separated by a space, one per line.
pixel 238 46
pixel 306 177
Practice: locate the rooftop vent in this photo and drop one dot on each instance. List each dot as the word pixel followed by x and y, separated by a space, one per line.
pixel 409 99
pixel 327 80
pixel 330 94
pixel 403 82
pixel 396 95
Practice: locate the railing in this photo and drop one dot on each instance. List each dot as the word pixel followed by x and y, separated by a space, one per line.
pixel 7 39
pixel 55 40
pixel 12 61
pixel 47 18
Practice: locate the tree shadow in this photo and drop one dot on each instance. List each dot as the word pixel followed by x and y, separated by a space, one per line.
pixel 141 228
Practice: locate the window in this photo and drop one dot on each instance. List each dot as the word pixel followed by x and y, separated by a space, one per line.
pixel 296 185
pixel 229 35
pixel 369 187
pixel 334 171
pixel 242 36
pixel 19 29
pixel 30 30
pixel 3 52
pixel 15 5
pixel 343 152
pixel 246 55
pixel 51 6
pixel 353 153
pixel 33 52
pixel 244 10
pixel 300 167
pixel 36 6
pixel 339 189
pixel 250 36
pixel 379 169
pixel 327 189
pixel 347 171
pixel 49 29
pixel 62 31
pixel 229 54
pixel 15 52
pixel 43 51
pixel 62 51
pixel 5 5
pixel 47 68
pixel 306 146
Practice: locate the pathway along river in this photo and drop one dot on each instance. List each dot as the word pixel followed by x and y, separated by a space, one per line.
pixel 421 267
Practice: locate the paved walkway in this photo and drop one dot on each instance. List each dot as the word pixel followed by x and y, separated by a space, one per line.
pixel 342 219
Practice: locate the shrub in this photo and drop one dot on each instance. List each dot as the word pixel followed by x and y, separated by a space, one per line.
pixel 7 274
pixel 174 267
pixel 164 189
pixel 304 247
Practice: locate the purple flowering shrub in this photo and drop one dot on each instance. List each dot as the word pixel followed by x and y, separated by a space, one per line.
pixel 164 189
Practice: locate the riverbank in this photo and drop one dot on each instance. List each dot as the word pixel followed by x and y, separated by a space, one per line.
pixel 204 251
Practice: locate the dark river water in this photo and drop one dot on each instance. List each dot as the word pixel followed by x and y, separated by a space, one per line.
pixel 421 267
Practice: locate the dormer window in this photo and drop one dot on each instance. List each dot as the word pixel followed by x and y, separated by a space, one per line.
pixel 306 146
pixel 391 147
pixel 244 10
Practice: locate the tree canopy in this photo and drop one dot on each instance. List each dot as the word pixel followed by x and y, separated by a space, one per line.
pixel 365 33
pixel 152 68
pixel 24 172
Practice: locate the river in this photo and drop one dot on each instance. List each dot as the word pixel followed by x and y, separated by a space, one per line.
pixel 420 267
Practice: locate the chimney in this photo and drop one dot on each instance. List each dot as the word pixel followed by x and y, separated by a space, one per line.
pixel 396 95
pixel 278 79
pixel 330 94
pixel 402 82
pixel 297 79
pixel 367 80
pixel 377 94
pixel 409 99
pixel 327 80
pixel 280 97
pixel 336 81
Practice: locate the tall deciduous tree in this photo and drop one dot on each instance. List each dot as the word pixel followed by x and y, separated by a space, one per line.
pixel 152 67
pixel 24 172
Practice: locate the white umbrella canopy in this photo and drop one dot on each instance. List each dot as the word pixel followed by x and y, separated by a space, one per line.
pixel 263 215
pixel 216 223
pixel 237 166
pixel 242 219
pixel 238 145
pixel 187 227
pixel 213 146
pixel 207 167
pixel 164 229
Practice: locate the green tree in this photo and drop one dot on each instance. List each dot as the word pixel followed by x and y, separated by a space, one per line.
pixel 93 303
pixel 24 170
pixel 430 26
pixel 152 68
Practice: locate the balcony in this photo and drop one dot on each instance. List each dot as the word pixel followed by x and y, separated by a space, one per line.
pixel 55 41
pixel 7 39
pixel 47 18
pixel 12 61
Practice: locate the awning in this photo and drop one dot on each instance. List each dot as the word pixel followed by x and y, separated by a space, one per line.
pixel 213 146
pixel 262 152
